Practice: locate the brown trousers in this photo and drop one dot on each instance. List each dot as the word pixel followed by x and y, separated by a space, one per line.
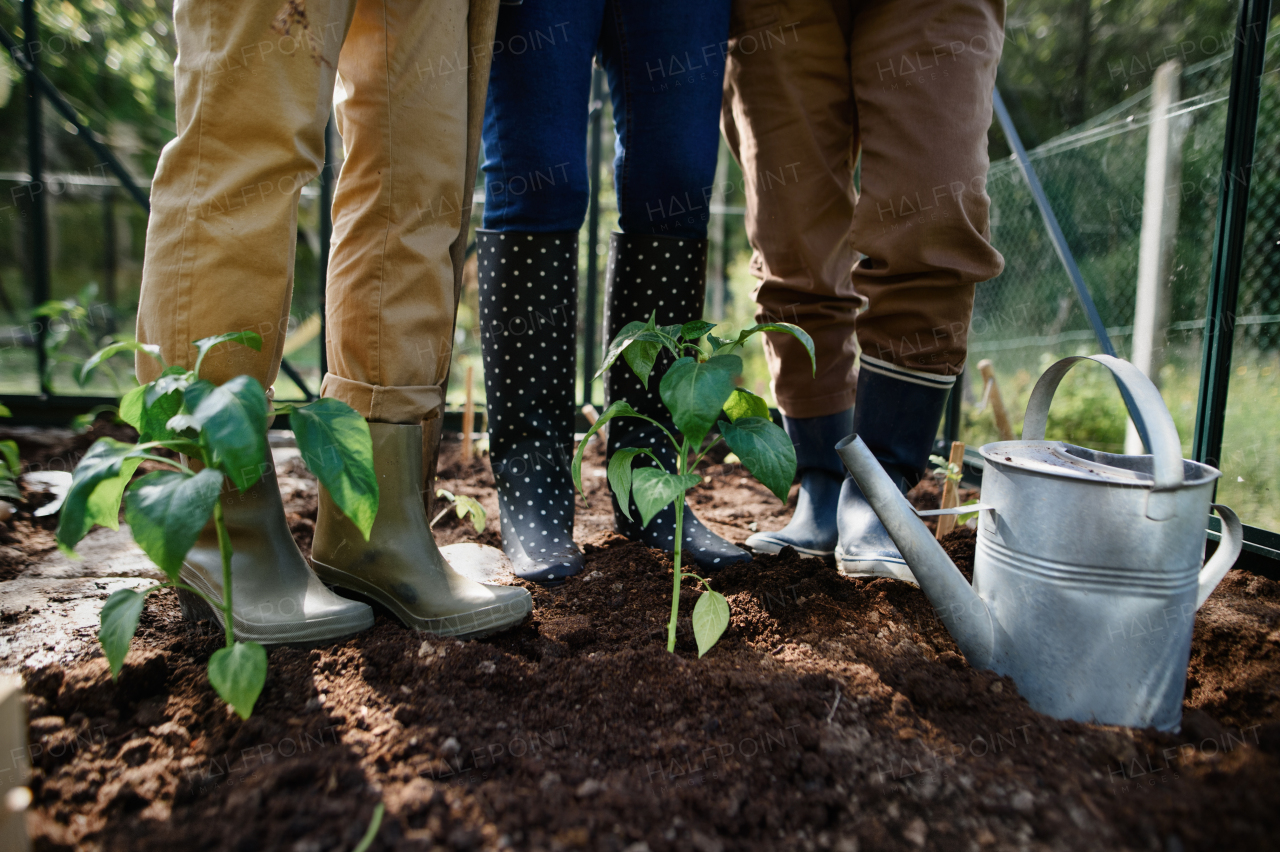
pixel 254 84
pixel 809 85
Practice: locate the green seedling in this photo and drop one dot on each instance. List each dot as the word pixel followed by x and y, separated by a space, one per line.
pixel 465 507
pixel 73 320
pixel 950 472
pixel 698 389
pixel 10 465
pixel 224 429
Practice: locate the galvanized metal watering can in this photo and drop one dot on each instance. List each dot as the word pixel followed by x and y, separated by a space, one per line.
pixel 1088 569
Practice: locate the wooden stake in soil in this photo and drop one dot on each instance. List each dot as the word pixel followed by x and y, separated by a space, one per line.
pixel 950 493
pixel 468 417
pixel 991 394
pixel 589 412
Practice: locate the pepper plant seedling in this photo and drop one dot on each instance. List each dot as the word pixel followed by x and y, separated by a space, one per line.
pixel 224 428
pixel 697 389
pixel 465 507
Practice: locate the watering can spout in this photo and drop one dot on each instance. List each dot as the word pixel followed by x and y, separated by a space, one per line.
pixel 964 614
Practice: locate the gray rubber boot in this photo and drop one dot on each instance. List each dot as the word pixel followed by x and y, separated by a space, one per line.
pixel 812 530
pixel 897 414
pixel 400 566
pixel 276 597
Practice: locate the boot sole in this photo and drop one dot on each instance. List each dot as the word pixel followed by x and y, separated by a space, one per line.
pixel 773 545
pixel 475 624
pixel 194 609
pixel 875 568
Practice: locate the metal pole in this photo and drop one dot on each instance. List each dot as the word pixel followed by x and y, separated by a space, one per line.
pixel 593 234
pixel 1233 214
pixel 35 189
pixel 1059 241
pixel 326 235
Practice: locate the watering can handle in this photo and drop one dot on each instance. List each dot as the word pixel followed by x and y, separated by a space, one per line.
pixel 1224 557
pixel 1166 448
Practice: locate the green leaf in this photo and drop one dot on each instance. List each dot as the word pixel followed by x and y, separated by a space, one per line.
pixel 119 621
pixel 716 342
pixel 372 831
pixel 786 328
pixel 4 411
pixel 166 511
pixel 9 490
pixel 161 401
pixel 115 349
pixel 618 409
pixel 195 394
pixel 104 502
pixel 97 484
pixel 249 338
pixel 765 450
pixel 654 489
pixel 695 392
pixel 961 520
pixel 710 619
pixel 238 674
pixel 470 506
pixel 692 331
pixel 622 340
pixel 334 441
pixel 641 355
pixel 743 403
pixel 131 407
pixel 620 474
pixel 12 462
pixel 233 429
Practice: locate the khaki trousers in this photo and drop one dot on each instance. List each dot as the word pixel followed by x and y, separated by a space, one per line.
pixel 254 85
pixel 907 83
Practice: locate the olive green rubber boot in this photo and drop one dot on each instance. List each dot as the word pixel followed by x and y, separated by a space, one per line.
pixel 400 566
pixel 276 597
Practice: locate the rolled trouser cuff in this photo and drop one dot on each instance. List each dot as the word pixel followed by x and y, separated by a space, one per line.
pixel 404 405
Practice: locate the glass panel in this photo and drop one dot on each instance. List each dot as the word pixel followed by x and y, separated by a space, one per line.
pixel 1251 438
pixel 1055 72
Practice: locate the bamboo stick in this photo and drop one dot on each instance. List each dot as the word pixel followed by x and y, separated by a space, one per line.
pixel 469 416
pixel 950 491
pixel 991 393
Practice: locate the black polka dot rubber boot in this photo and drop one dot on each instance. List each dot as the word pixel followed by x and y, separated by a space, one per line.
pixel 666 275
pixel 528 333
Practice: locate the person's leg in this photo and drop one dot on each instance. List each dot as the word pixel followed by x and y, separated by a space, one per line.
pixel 399 212
pixel 923 73
pixel 252 97
pixel 790 121
pixel 527 261
pixel 666 68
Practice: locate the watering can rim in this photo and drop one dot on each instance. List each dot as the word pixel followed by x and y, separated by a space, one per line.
pixel 1077 467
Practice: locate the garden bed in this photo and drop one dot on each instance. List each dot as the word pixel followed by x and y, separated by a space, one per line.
pixel 833 714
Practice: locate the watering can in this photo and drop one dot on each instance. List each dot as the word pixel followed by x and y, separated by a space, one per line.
pixel 1087 574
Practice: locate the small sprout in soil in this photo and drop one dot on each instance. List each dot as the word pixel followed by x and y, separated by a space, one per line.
pixel 700 390
pixel 949 472
pixel 465 506
pixel 374 825
pixel 224 429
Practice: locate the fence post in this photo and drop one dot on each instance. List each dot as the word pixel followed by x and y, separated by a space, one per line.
pixel 1160 209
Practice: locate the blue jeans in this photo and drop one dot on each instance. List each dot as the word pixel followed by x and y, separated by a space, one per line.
pixel 665 65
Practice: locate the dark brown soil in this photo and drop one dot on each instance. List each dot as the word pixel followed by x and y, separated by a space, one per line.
pixel 833 715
